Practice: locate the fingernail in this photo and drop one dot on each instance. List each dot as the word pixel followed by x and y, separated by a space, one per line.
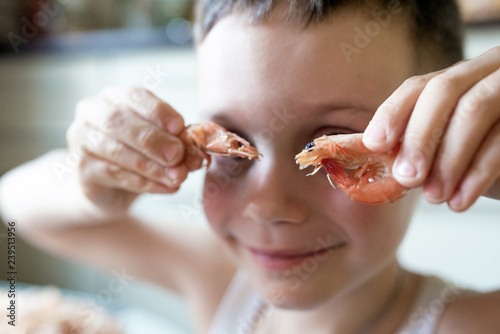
pixel 170 151
pixel 456 202
pixel 433 191
pixel 173 174
pixel 375 134
pixel 406 169
pixel 175 125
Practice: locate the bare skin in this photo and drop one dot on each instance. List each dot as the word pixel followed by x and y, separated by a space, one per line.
pixel 248 85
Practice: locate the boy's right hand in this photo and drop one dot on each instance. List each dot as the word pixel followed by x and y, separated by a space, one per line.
pixel 127 142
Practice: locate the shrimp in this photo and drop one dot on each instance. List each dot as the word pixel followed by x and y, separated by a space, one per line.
pixel 363 175
pixel 206 139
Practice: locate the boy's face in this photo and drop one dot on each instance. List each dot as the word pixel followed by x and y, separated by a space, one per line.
pixel 280 86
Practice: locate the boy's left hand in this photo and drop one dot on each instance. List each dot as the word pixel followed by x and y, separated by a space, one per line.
pixel 450 124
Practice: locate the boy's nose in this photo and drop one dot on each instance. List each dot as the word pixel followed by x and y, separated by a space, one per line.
pixel 274 195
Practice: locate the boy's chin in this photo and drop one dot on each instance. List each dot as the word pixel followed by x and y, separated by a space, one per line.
pixel 299 299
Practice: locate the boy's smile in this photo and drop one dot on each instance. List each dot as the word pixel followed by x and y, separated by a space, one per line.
pixel 287 259
pixel 280 86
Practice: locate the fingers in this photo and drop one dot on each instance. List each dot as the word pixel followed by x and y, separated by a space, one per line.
pixel 117 153
pixel 122 123
pixel 146 105
pixel 139 134
pixel 482 177
pixel 104 173
pixel 389 122
pixel 128 140
pixel 429 120
pixel 448 125
pixel 425 126
pixel 473 122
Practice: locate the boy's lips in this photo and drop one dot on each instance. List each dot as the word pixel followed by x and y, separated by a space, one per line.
pixel 285 259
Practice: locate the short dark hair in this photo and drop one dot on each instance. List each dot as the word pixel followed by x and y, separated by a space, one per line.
pixel 436 26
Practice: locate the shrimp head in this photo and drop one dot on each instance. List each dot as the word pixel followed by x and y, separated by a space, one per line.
pixel 363 175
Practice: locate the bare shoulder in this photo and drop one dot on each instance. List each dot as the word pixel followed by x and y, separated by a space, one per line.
pixel 470 314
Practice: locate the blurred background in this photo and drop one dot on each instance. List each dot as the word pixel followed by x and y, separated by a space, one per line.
pixel 53 53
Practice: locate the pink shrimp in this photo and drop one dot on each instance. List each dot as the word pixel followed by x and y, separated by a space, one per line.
pixel 208 138
pixel 363 175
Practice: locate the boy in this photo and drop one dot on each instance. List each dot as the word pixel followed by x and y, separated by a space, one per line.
pixel 281 74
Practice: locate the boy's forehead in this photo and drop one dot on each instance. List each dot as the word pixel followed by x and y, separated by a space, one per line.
pixel 284 62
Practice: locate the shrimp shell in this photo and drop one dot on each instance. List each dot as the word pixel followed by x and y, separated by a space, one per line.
pixel 363 175
pixel 206 139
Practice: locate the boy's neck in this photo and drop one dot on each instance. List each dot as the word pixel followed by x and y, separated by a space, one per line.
pixel 377 306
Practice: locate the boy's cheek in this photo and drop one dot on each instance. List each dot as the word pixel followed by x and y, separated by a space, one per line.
pixel 381 228
pixel 363 223
pixel 217 201
pixel 214 211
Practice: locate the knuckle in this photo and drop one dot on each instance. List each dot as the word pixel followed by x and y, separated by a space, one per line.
pixel 105 125
pixel 149 168
pixel 153 169
pixel 114 149
pixel 476 102
pixel 115 119
pixel 113 170
pixel 137 95
pixel 416 81
pixel 392 106
pixel 469 107
pixel 146 136
pixel 115 113
pixel 134 181
pixel 459 63
pixel 157 110
pixel 420 146
pixel 160 112
pixel 443 82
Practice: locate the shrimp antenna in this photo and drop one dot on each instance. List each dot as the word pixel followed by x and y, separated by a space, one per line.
pixel 330 180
